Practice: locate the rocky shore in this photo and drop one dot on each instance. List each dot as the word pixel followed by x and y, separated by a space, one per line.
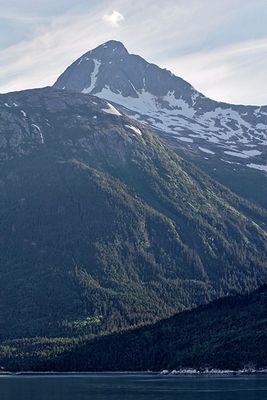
pixel 214 371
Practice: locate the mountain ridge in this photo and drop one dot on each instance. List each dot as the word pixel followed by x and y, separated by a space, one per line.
pixel 103 227
pixel 226 141
pixel 145 88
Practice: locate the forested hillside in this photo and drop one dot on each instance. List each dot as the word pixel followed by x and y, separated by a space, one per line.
pixel 103 227
pixel 228 333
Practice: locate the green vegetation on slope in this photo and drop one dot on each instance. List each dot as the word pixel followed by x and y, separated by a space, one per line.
pixel 245 182
pixel 102 228
pixel 228 333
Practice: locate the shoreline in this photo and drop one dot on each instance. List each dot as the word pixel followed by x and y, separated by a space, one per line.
pixel 182 372
pixel 214 372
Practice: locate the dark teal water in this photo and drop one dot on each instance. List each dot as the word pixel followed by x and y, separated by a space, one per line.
pixel 132 387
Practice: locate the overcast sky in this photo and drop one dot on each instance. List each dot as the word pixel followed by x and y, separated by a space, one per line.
pixel 219 46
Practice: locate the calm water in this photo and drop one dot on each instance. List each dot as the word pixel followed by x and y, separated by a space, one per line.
pixel 132 387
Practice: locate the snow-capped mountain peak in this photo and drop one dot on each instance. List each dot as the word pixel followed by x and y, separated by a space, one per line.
pixel 155 96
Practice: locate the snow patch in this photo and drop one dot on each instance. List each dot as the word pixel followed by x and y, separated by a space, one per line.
pixel 251 153
pixel 145 102
pixel 185 139
pixel 133 128
pixel 40 132
pixel 261 126
pixel 235 154
pixel 230 162
pixel 179 105
pixel 258 166
pixel 194 97
pixel 93 78
pixel 111 110
pixel 206 150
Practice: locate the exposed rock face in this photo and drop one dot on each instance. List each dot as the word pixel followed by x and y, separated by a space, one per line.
pixel 29 119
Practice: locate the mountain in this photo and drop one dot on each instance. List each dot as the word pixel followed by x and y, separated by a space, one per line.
pixel 230 333
pixel 103 227
pixel 227 141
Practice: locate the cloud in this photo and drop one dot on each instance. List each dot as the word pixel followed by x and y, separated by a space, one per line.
pixel 113 19
pixel 216 56
pixel 235 73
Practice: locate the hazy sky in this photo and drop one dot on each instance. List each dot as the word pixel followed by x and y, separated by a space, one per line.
pixel 219 46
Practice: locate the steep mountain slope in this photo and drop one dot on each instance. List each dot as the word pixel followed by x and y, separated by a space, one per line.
pixel 228 333
pixel 103 227
pixel 232 137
